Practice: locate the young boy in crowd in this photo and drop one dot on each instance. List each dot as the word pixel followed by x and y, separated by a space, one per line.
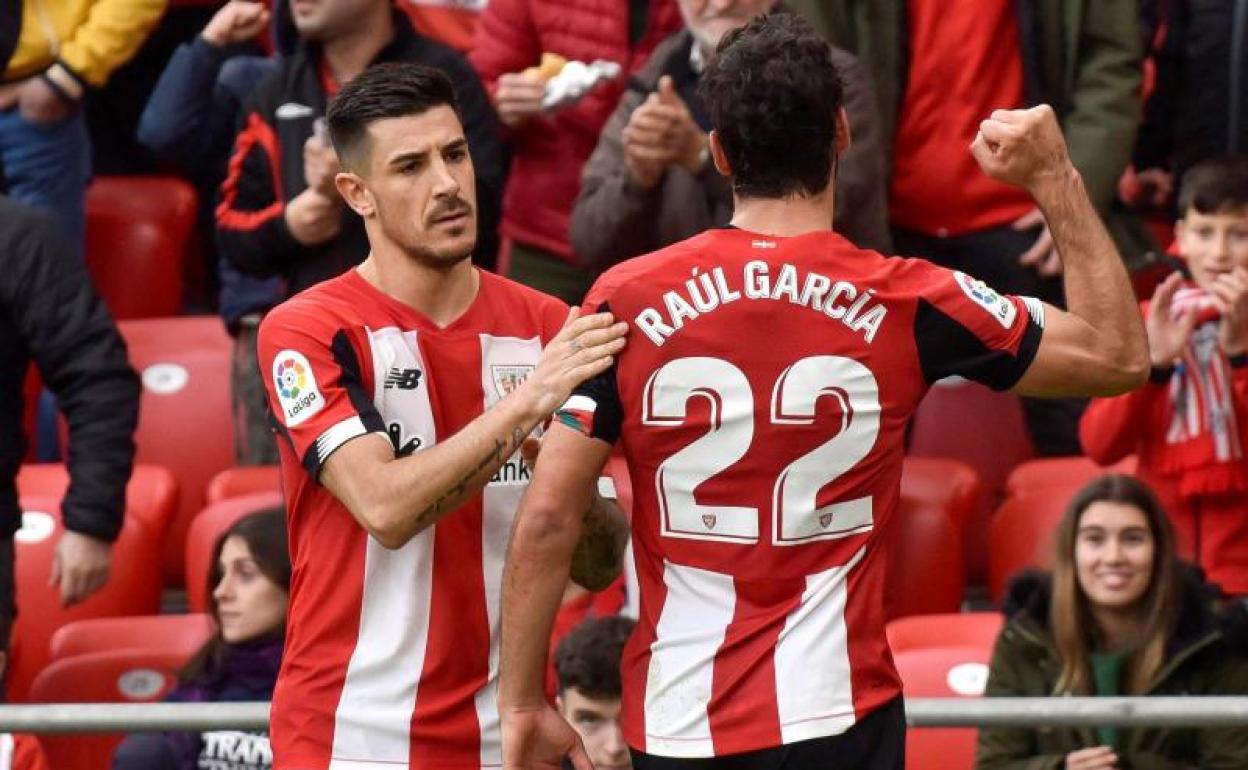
pixel 587 664
pixel 1189 423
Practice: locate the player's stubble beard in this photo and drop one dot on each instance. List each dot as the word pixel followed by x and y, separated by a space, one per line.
pixel 417 248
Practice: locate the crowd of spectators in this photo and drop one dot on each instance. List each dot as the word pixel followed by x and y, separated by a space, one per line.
pixel 1152 97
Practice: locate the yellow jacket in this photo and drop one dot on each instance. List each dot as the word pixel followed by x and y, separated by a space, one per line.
pixel 74 43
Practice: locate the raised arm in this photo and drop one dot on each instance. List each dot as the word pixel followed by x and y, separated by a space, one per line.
pixel 1097 347
pixel 395 498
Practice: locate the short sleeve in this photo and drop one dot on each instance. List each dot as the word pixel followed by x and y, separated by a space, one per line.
pixel 594 408
pixel 964 327
pixel 315 381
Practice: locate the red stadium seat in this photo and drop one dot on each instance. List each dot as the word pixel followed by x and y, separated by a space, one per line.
pixel 1021 536
pixel 236 482
pixel 178 634
pixel 956 629
pixel 1057 474
pixel 120 676
pixel 926 569
pixel 949 484
pixel 151 493
pixel 185 417
pixel 133 587
pixel 138 232
pixel 202 538
pixel 983 428
pixel 942 672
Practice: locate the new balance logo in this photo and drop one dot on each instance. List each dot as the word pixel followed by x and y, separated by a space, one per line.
pixel 403 379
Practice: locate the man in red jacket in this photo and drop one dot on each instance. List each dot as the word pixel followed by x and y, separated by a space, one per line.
pixel 1188 423
pixel 550 147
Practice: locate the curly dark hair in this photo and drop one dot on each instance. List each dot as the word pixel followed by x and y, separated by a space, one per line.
pixel 773 95
pixel 388 90
pixel 588 658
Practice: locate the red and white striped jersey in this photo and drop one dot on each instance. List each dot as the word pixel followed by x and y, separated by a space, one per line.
pixel 762 403
pixel 391 655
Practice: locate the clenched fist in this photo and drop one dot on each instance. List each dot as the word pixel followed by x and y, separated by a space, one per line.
pixel 1022 147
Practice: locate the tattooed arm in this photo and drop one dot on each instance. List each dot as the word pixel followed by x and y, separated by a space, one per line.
pixel 396 498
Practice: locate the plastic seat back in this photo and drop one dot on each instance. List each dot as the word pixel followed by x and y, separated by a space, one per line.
pixel 138 233
pixel 1069 474
pixel 246 480
pixel 942 672
pixel 185 417
pixel 955 629
pixel 176 634
pixel 966 421
pixel 120 676
pixel 1022 535
pixel 151 492
pixel 133 587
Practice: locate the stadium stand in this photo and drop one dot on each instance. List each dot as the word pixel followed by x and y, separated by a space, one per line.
pixel 119 676
pixel 237 482
pixel 151 493
pixel 133 587
pixel 181 634
pixel 926 563
pixel 139 233
pixel 185 420
pixel 955 629
pixel 942 672
pixel 966 421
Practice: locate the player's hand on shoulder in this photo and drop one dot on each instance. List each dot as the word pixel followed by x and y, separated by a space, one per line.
pixel 1022 147
pixel 583 348
pixel 537 738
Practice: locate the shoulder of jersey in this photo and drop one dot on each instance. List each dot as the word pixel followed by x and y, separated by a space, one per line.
pixel 324 303
pixel 526 294
pixel 631 269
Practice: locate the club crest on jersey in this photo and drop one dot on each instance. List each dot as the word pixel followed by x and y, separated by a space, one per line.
pixel 295 384
pixel 825 519
pixel 507 377
pixel 983 295
pixel 709 520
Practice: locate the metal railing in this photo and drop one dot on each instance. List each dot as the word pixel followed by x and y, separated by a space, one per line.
pixel 920 712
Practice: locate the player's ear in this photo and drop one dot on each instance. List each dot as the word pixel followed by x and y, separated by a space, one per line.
pixel 717 154
pixel 844 137
pixel 353 190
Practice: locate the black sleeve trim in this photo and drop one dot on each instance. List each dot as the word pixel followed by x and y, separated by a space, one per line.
pixel 1238 361
pixel 948 348
pixel 604 390
pixel 1160 374
pixel 352 380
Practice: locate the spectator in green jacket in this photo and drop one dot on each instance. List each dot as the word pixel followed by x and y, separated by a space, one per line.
pixel 1120 615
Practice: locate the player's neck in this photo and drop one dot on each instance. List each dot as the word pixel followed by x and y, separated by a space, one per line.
pixel 350 54
pixel 784 217
pixel 441 294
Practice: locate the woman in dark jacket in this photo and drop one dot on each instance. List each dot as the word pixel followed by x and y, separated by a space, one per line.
pixel 1120 615
pixel 251 578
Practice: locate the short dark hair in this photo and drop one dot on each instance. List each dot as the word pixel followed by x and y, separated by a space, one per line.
pixel 1215 185
pixel 588 658
pixel 389 90
pixel 773 94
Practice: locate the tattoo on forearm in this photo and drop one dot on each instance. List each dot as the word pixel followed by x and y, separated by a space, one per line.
pixel 497 454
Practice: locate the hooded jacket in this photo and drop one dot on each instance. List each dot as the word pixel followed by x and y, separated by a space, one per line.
pixel 1206 655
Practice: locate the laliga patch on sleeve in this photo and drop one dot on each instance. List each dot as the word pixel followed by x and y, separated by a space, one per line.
pixel 295 383
pixel 983 295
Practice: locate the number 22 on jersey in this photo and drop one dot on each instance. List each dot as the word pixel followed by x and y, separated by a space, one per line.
pixel 796 519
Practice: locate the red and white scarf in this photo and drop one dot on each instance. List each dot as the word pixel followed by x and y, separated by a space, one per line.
pixel 1203 446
